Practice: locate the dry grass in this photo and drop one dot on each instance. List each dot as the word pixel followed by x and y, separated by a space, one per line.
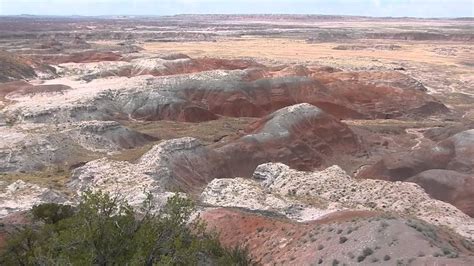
pixel 296 50
pixel 208 132
pixel 51 178
pixel 217 131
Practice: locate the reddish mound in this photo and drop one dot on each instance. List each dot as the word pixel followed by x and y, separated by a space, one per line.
pixel 14 67
pixel 269 239
pixel 82 57
pixel 179 64
pixel 301 136
pixel 353 238
pixel 441 133
pixel 381 94
pixel 9 87
pixel 454 153
pixel 24 88
pixel 263 96
pixel 448 186
pixel 180 111
pixel 345 95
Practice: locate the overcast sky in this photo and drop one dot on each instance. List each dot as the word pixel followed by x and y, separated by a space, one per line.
pixel 415 8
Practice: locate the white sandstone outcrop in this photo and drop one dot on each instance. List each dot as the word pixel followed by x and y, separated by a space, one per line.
pixel 133 180
pixel 34 146
pixel 246 193
pixel 118 178
pixel 22 196
pixel 279 186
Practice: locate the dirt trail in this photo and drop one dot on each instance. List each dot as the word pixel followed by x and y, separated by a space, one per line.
pixel 419 136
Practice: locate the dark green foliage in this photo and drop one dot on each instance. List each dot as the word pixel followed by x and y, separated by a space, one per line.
pixel 105 230
pixel 52 213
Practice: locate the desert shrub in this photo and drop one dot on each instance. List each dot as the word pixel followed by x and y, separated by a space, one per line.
pixel 360 258
pixel 351 255
pixel 365 253
pixel 105 230
pixel 424 228
pixel 342 239
pixel 51 213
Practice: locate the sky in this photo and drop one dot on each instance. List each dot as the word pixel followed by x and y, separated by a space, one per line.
pixel 394 8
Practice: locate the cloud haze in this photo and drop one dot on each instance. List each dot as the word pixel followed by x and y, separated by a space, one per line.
pixel 416 8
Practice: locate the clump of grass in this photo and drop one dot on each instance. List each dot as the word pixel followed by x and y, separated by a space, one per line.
pixel 365 253
pixel 386 257
pixel 320 247
pixel 335 262
pixel 342 239
pixel 453 255
pixel 423 228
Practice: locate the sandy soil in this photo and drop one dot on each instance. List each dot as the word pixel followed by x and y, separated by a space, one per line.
pixel 296 50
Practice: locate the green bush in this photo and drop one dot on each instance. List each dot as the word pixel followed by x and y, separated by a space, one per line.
pixel 105 230
pixel 52 213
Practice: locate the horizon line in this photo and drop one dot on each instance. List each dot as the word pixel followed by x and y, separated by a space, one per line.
pixel 228 14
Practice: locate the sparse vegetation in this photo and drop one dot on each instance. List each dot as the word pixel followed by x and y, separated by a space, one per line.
pixel 386 257
pixel 365 253
pixel 424 228
pixel 342 239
